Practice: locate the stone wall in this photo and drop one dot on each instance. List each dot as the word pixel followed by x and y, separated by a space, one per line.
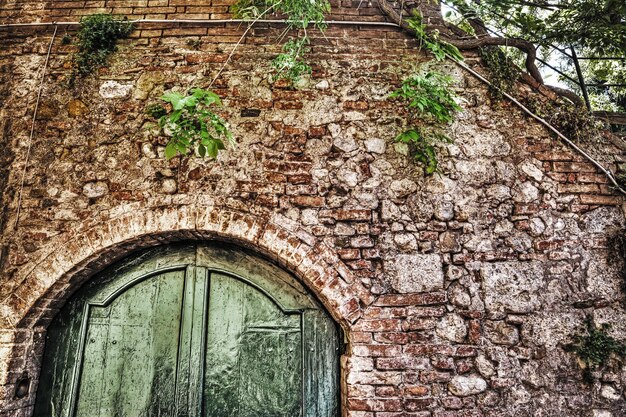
pixel 457 291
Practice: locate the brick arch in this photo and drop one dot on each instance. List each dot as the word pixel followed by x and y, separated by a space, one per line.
pixel 78 255
pixel 74 258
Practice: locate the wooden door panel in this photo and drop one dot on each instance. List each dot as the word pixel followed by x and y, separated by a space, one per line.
pixel 253 353
pixel 130 353
pixel 321 357
pixel 270 373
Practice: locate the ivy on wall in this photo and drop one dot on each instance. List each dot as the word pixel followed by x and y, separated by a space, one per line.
pixel 290 65
pixel 97 40
pixel 192 124
pixel 595 348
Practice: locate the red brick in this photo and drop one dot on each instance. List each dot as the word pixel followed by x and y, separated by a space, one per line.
pixel 308 201
pixel 376 350
pixel 356 105
pixel 349 254
pixel 586 177
pixel 577 188
pixel 428 377
pixel 362 242
pixel 555 156
pixel 379 404
pixel 601 200
pixel 394 364
pixel 380 325
pixel 411 299
pixel 413 404
pixel 428 349
pixel 416 391
pixel 574 167
pixel 392 338
pixel 345 215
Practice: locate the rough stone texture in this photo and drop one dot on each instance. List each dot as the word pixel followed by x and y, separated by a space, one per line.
pixel 457 292
pixel 512 287
pixel 414 273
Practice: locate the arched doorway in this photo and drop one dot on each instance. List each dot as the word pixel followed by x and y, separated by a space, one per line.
pixel 191 330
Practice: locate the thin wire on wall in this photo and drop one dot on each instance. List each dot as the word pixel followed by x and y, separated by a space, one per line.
pixel 32 127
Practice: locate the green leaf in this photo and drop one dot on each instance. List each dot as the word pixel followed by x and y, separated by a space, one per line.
pixel 174 98
pixel 193 127
pixel 175 116
pixel 170 150
pixel 212 149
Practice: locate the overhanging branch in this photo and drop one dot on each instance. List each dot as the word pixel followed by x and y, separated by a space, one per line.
pixel 474 43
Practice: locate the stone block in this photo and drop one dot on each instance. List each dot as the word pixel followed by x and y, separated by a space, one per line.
pixel 512 286
pixel 415 272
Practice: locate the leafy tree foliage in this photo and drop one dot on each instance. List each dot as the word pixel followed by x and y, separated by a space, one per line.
pixel 593 28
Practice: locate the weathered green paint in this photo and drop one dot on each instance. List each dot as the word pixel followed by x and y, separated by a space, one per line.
pixel 191 331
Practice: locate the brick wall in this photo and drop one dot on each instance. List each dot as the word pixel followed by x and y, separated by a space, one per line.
pixel 457 291
pixel 59 11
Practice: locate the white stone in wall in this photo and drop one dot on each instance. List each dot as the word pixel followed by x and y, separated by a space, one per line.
pixel 322 85
pixel 459 296
pixel 389 211
pixel 484 366
pixel 498 192
pixel 444 210
pixel 603 279
pixel 549 329
pixel 610 393
pixel 512 286
pixel 402 188
pixel 345 143
pixel 415 273
pixel 489 143
pixel 452 327
pixel 526 193
pixel 95 189
pixel 405 241
pixel 537 226
pixel 531 170
pixel 467 385
pixel 113 89
pixel 375 145
pixel 519 395
pixel 600 219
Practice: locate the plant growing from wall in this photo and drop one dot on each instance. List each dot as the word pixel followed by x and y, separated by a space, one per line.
pixel 574 122
pixel 503 74
pixel 431 105
pixel 192 123
pixel 428 98
pixel 290 65
pixel 97 40
pixel 431 40
pixel 595 347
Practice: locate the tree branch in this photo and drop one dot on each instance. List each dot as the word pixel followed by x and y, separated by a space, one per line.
pixel 568 94
pixel 475 43
pixel 470 44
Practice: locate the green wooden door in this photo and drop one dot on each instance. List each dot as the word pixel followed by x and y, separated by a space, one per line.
pixel 191 331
